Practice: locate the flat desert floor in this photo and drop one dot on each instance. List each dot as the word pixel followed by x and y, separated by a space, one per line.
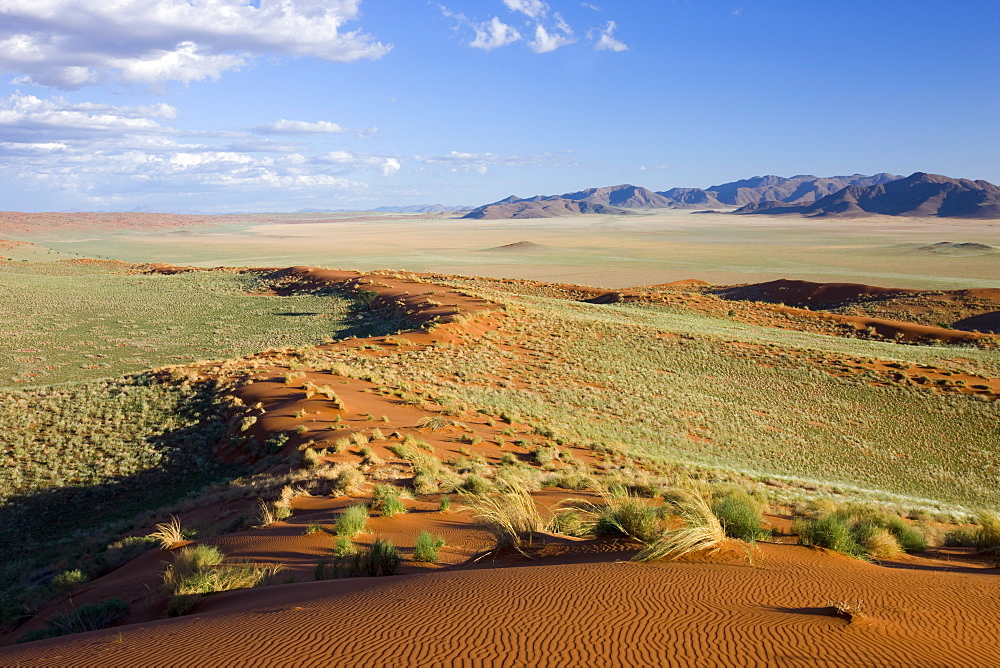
pixel 604 251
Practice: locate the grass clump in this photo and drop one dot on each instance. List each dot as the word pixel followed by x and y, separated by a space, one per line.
pixel 861 531
pixel 199 571
pixel 832 532
pixel 626 515
pixel 352 521
pixel 699 529
pixel 511 516
pixel 68 580
pixel 426 548
pixel 988 534
pixel 740 516
pixel 386 499
pixel 85 618
pixel 381 559
pixel 168 533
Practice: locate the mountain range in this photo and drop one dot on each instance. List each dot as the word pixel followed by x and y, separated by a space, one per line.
pixel 919 194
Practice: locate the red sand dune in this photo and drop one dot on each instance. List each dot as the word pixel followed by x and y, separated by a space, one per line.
pixel 575 613
pixel 804 293
pixel 578 604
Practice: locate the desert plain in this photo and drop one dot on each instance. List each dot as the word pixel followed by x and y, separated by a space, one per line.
pixel 669 438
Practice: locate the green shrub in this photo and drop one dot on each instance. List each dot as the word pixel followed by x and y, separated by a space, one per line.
pixel 908 537
pixel 625 515
pixel 426 548
pixel 352 521
pixel 476 484
pixel 832 532
pixel 740 517
pixel 382 558
pixel 960 537
pixel 386 499
pixel 199 571
pixel 68 580
pixel 988 533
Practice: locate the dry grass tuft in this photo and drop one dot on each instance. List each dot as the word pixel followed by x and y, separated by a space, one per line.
pixel 168 533
pixel 511 516
pixel 700 530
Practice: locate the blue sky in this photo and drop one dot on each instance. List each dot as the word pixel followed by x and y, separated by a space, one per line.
pixel 226 105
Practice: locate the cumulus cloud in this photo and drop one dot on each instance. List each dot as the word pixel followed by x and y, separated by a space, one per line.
pixel 75 43
pixel 25 118
pixel 386 166
pixel 533 8
pixel 103 153
pixel 493 34
pixel 546 40
pixel 550 29
pixel 607 41
pixel 489 35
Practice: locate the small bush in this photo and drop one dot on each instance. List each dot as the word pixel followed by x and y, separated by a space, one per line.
pixel 198 571
pixel 880 543
pixel 625 515
pixel 352 521
pixel 349 479
pixel 908 537
pixel 988 533
pixel 310 459
pixel 961 537
pixel 831 532
pixel 700 529
pixel 444 504
pixel 427 547
pixel 343 547
pixel 382 558
pixel 740 517
pixel 68 580
pixel 476 484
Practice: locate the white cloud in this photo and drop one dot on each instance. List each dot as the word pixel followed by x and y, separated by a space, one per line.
pixel 533 8
pixel 493 34
pixel 607 41
pixel 386 166
pixel 75 43
pixel 457 161
pixel 546 41
pixel 104 153
pixel 286 127
pixel 26 117
pixel 550 32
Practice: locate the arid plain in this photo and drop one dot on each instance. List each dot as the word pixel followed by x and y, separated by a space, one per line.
pixel 606 251
pixel 421 440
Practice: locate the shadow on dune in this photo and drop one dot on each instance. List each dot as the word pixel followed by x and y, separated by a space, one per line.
pixel 987 323
pixel 44 531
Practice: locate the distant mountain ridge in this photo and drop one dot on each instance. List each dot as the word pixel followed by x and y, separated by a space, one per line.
pixel 920 194
pixel 800 189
